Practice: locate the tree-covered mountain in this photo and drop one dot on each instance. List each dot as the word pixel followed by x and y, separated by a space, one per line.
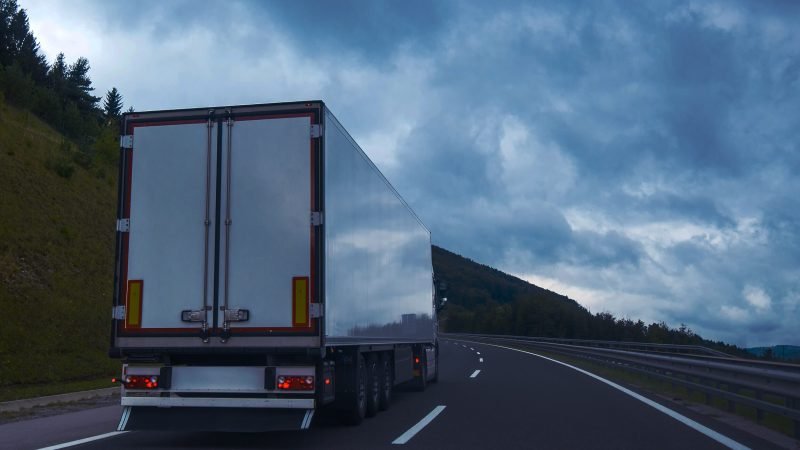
pixel 482 299
pixel 60 94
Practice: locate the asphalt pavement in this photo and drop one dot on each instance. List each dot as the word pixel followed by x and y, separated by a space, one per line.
pixel 487 397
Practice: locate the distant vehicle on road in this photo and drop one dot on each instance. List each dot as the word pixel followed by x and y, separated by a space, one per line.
pixel 264 268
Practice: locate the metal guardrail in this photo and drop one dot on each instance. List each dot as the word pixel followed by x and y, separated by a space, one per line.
pixel 758 384
pixel 629 345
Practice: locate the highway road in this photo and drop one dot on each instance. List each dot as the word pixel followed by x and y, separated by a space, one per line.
pixel 487 397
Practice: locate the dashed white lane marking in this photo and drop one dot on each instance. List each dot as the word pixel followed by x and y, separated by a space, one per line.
pixel 478 353
pixel 480 359
pixel 722 439
pixel 475 374
pixel 83 441
pixel 405 437
pixel 472 349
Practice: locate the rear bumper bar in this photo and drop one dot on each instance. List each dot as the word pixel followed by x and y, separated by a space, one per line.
pixel 214 419
pixel 217 402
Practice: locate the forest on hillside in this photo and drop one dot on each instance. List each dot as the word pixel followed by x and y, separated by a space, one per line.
pixel 482 299
pixel 58 92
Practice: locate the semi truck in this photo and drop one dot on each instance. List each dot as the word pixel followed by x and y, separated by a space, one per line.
pixel 265 268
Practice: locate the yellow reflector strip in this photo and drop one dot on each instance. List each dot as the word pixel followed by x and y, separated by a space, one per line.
pixel 300 301
pixel 133 314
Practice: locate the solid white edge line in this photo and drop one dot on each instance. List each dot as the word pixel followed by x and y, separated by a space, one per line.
pixel 722 439
pixel 83 441
pixel 475 374
pixel 405 437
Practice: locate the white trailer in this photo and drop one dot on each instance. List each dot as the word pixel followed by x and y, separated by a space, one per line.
pixel 264 268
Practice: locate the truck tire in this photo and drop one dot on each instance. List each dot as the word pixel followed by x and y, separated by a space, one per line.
pixel 373 387
pixel 386 383
pixel 356 408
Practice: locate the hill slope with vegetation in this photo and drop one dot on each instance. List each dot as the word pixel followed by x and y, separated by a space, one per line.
pixel 56 254
pixel 58 158
pixel 482 299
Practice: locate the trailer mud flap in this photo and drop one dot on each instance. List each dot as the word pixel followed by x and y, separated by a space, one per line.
pixel 214 419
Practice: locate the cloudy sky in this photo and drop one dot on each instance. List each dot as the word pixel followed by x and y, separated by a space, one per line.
pixel 640 158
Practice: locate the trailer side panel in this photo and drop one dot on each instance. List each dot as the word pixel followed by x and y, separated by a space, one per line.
pixel 377 252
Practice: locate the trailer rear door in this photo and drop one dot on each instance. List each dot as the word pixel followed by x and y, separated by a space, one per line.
pixel 266 248
pixel 168 249
pixel 217 236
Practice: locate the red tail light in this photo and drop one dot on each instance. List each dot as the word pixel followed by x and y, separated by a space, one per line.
pixel 295 383
pixel 141 382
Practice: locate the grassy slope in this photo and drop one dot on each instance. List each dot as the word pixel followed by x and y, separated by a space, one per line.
pixel 56 257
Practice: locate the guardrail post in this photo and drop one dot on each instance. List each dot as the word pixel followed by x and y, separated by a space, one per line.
pixel 759 412
pixel 792 403
pixel 731 403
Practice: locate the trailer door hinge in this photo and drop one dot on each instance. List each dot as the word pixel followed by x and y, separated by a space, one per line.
pixel 126 141
pixel 118 312
pixel 124 225
pixel 315 310
pixel 316 130
pixel 316 218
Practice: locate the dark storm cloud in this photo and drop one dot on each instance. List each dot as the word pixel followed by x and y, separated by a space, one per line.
pixel 372 29
pixel 605 250
pixel 672 206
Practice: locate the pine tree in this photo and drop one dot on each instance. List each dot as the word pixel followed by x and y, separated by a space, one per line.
pixel 112 104
pixel 18 31
pixel 32 61
pixel 57 76
pixel 79 86
pixel 8 10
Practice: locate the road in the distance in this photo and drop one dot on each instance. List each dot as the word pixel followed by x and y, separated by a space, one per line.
pixel 492 398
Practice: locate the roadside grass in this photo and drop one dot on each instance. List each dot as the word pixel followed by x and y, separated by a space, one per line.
pixel 57 213
pixel 677 393
pixel 23 391
pixel 53 409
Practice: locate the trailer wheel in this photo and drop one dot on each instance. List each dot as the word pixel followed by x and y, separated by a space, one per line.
pixel 357 407
pixel 373 387
pixel 386 383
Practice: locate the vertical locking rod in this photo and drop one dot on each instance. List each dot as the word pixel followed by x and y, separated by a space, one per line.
pixel 228 222
pixel 207 225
